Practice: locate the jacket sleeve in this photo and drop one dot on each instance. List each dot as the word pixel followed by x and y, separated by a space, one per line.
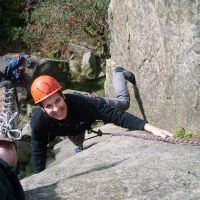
pixel 4 192
pixel 120 118
pixel 39 143
pixel 10 186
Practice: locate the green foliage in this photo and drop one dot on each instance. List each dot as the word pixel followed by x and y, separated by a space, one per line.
pixel 95 86
pixel 45 26
pixel 54 23
pixel 182 133
pixel 12 18
pixel 54 54
pixel 26 171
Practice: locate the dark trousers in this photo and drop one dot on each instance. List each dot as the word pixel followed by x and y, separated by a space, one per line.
pixel 77 139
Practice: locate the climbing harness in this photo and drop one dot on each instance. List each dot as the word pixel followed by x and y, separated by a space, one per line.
pixel 147 136
pixel 8 114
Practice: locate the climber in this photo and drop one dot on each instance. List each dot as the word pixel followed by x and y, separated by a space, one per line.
pixel 71 114
pixel 10 187
pixel 14 70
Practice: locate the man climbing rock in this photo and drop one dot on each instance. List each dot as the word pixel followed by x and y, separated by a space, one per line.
pixel 10 187
pixel 71 114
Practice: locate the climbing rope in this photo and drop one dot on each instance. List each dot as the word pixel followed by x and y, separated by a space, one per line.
pixel 8 116
pixel 147 136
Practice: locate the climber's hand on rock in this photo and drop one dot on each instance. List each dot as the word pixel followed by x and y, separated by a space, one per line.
pixel 157 131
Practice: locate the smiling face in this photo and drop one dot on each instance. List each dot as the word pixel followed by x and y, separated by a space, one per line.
pixel 55 106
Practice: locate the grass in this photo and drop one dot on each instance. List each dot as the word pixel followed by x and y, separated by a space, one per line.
pixel 186 134
pixel 96 86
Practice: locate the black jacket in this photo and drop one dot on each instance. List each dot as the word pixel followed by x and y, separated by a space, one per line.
pixel 82 112
pixel 10 187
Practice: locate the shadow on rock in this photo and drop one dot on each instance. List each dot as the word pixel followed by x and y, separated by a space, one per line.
pixel 98 168
pixel 45 192
pixel 88 146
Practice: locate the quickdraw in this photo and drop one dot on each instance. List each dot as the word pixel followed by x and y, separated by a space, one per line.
pixel 98 133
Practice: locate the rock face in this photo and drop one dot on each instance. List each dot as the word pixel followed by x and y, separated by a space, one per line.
pixel 89 65
pixel 160 42
pixel 118 168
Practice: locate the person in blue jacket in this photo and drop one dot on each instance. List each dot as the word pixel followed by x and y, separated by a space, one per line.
pixel 71 114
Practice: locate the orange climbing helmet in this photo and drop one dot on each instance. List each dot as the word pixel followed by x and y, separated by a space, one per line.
pixel 43 87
